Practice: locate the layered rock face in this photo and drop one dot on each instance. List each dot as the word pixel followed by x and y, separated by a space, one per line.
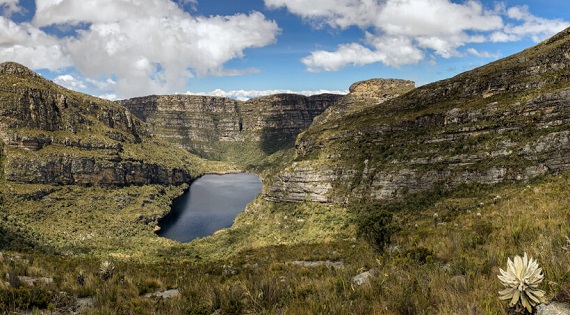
pixel 214 126
pixel 505 121
pixel 364 94
pixel 56 136
pixel 89 171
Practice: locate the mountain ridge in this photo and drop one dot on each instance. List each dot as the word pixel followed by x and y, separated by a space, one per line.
pixel 382 151
pixel 54 135
pixel 430 192
pixel 220 128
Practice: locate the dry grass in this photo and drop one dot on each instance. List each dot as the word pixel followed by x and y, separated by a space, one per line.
pixel 450 268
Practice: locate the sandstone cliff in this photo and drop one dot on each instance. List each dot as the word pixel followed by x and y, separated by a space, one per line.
pixel 506 121
pixel 225 129
pixel 59 137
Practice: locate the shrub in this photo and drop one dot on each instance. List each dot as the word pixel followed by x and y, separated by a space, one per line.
pixel 24 298
pixel 376 228
pixel 421 255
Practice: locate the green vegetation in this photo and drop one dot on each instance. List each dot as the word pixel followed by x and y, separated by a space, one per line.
pixel 447 268
pixel 375 226
pixel 93 249
pixel 157 151
pixel 76 220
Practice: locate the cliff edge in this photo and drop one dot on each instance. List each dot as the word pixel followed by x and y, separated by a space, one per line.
pixel 506 121
pixel 59 137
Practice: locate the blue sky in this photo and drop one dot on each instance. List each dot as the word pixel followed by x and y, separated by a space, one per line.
pixel 124 48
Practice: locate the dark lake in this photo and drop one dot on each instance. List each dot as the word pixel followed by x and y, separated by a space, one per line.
pixel 211 204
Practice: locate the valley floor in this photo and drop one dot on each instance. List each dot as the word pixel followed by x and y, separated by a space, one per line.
pixel 443 266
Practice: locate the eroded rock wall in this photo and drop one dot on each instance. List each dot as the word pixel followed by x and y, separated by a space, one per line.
pixel 207 125
pixel 506 121
pixel 56 136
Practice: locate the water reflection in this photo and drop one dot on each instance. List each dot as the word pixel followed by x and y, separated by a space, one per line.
pixel 211 204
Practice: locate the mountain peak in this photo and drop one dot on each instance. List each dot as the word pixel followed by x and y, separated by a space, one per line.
pixel 15 68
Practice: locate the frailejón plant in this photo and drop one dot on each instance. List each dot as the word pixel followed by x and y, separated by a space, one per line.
pixel 521 280
pixel 106 270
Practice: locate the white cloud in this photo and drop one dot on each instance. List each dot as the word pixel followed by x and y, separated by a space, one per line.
pixel 244 95
pixel 349 54
pixel 50 12
pixel 392 51
pixel 482 54
pixel 106 85
pixel 9 7
pixel 335 13
pixel 110 96
pixel 103 89
pixel 70 82
pixel 153 55
pixel 237 72
pixel 151 46
pixel 435 18
pixel 501 36
pixel 396 50
pixel 28 45
pixel 534 27
pixel 399 32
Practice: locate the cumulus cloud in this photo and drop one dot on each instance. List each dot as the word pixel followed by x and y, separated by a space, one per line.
pixel 150 46
pixel 244 95
pixel 70 82
pixel 400 32
pixel 50 12
pixel 534 27
pixel 392 51
pixel 29 45
pixel 350 54
pixel 335 13
pixel 158 55
pixel 104 89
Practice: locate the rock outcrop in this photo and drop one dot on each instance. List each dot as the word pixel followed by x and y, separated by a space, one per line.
pixel 88 171
pixel 553 309
pixel 217 127
pixel 364 94
pixel 56 136
pixel 505 121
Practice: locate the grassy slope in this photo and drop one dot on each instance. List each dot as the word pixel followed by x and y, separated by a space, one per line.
pixel 72 219
pixel 448 269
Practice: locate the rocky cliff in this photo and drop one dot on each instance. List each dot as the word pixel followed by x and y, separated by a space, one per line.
pixel 506 121
pixel 59 137
pixel 225 129
pixel 364 94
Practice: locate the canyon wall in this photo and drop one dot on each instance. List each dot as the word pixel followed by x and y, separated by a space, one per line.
pixel 219 128
pixel 506 121
pixel 56 136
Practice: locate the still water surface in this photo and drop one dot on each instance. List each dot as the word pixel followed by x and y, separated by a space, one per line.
pixel 211 204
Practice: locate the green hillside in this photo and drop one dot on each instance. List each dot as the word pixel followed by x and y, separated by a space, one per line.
pixel 429 193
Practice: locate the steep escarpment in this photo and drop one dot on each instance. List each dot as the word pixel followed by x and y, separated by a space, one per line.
pixel 364 94
pixel 506 121
pixel 80 174
pixel 225 129
pixel 56 136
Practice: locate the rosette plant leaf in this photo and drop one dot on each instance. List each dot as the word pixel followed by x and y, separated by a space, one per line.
pixel 106 270
pixel 521 280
